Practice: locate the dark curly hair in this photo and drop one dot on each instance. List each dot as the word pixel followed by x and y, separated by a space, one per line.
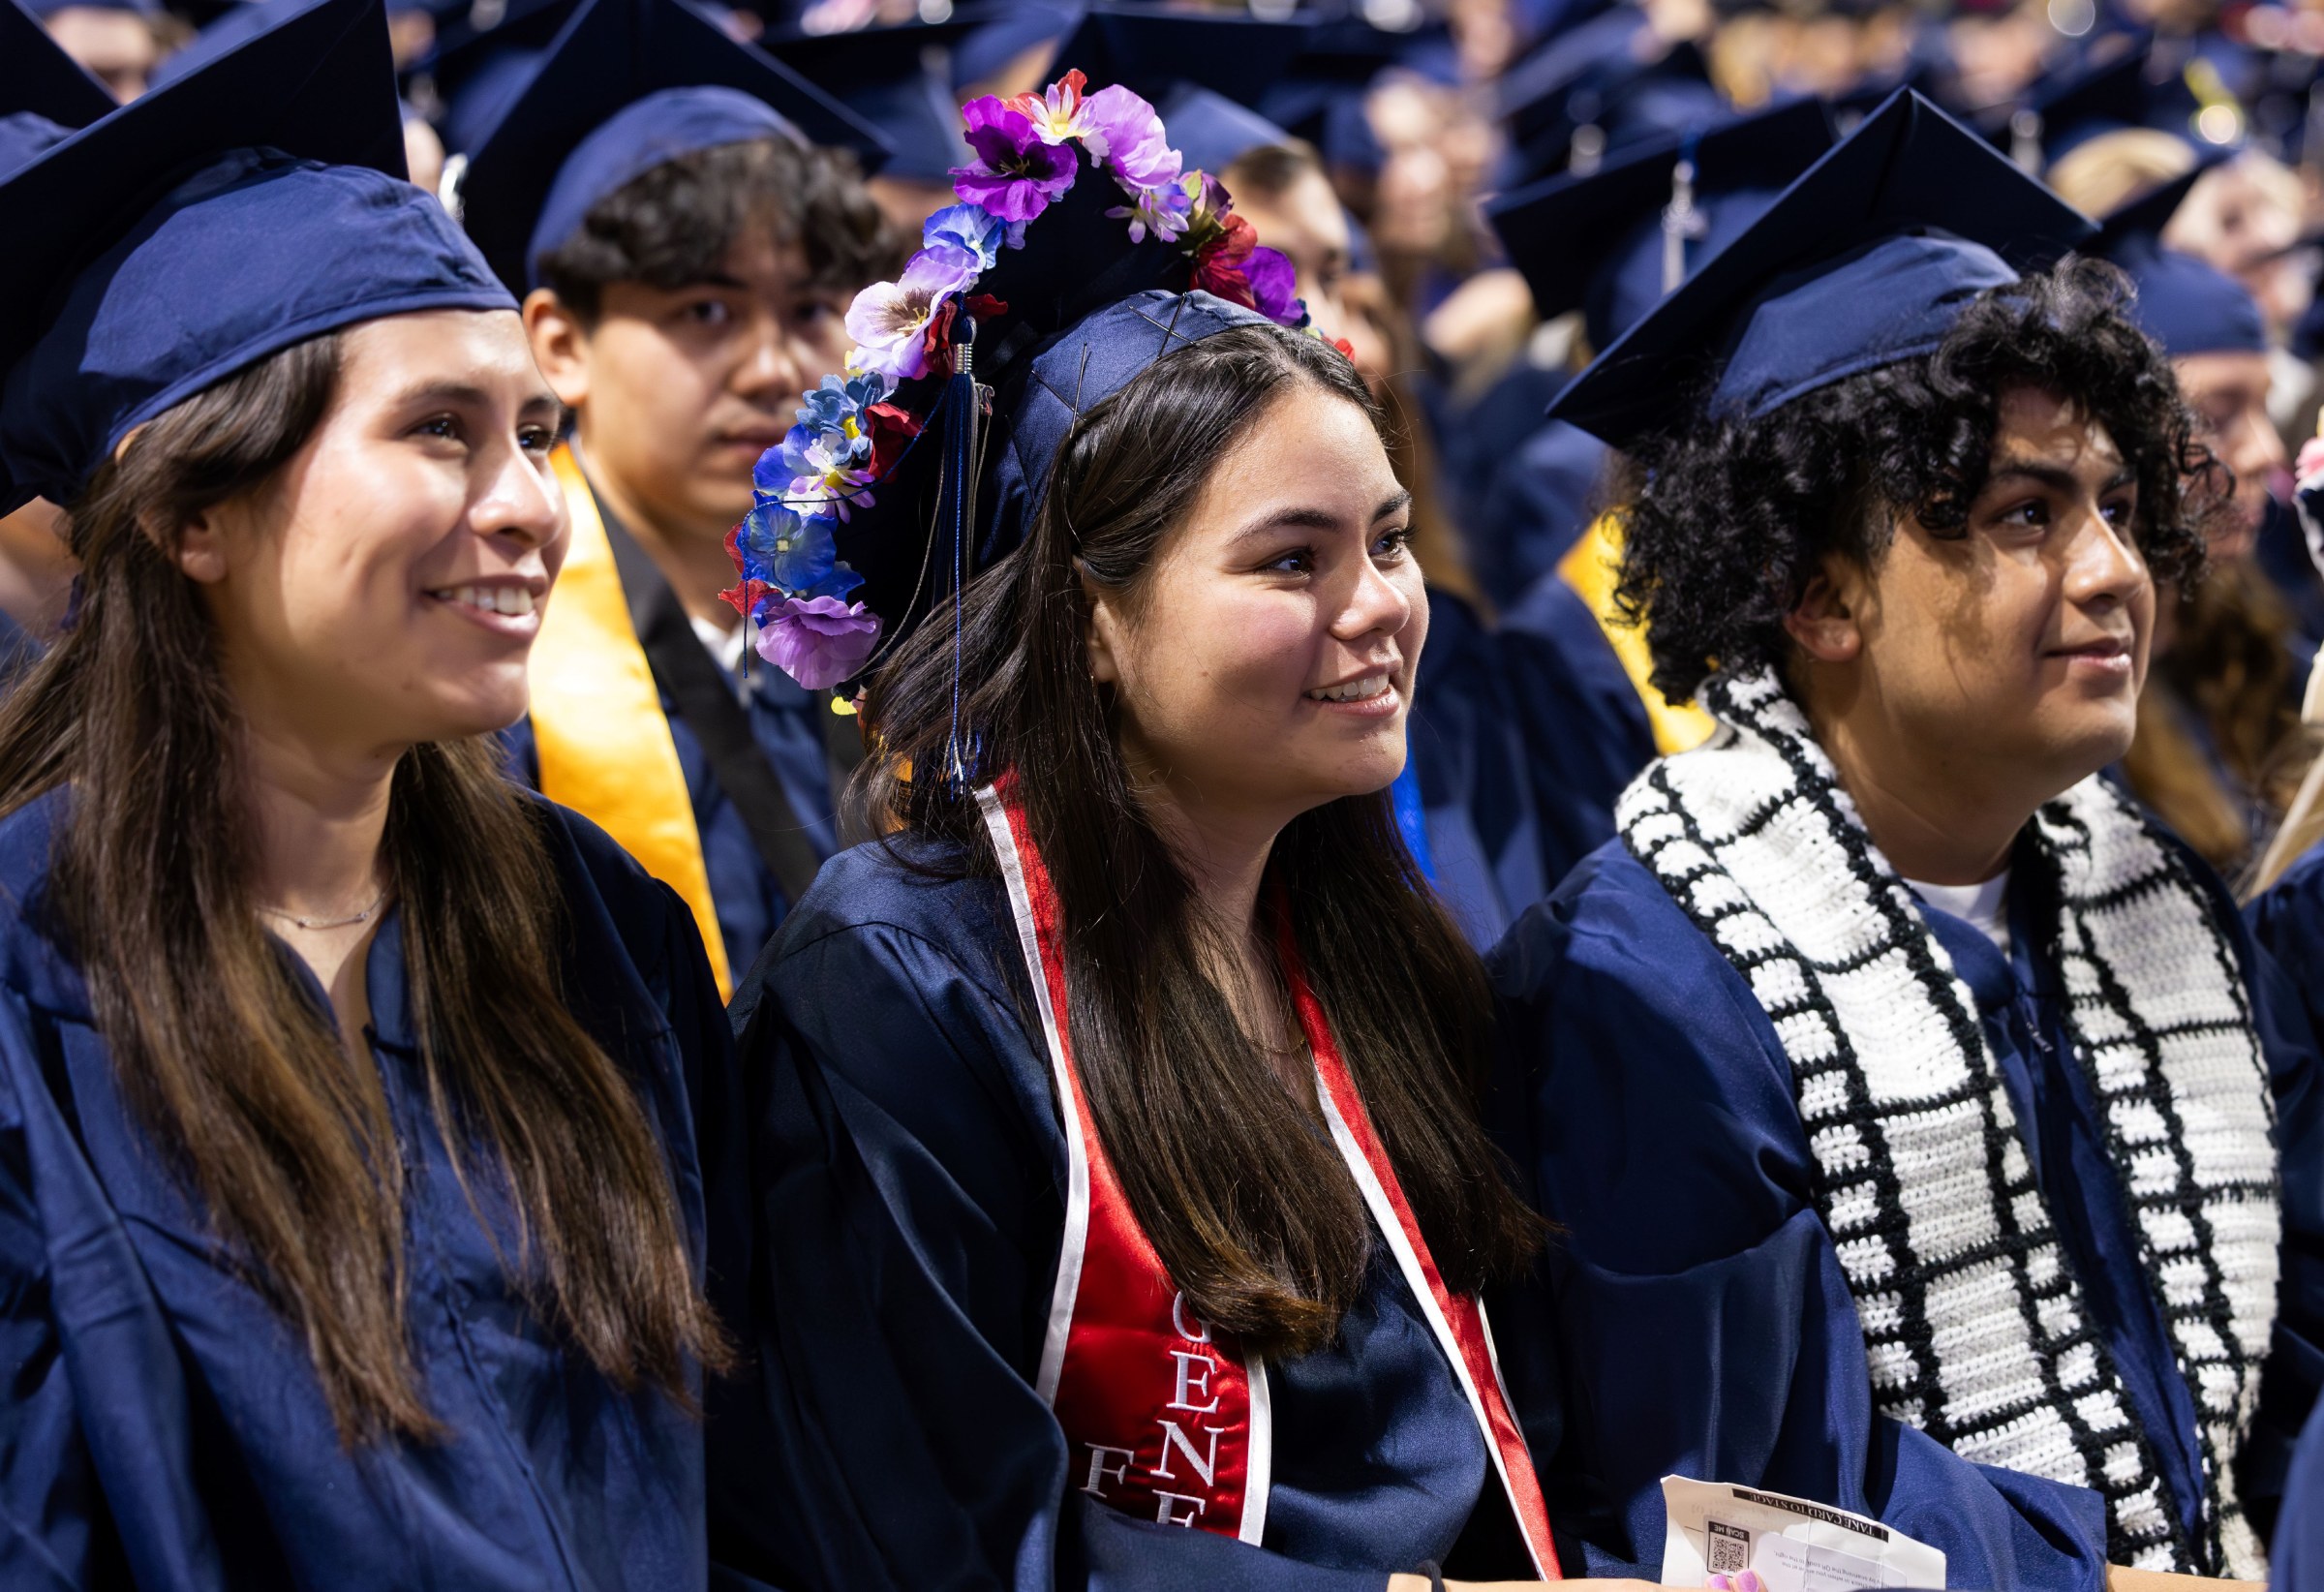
pixel 672 224
pixel 1728 520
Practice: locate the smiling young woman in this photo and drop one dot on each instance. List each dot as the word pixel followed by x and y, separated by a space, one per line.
pixel 1119 1109
pixel 348 1147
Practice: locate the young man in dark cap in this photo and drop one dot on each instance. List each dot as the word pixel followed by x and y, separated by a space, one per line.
pixel 688 243
pixel 1905 1098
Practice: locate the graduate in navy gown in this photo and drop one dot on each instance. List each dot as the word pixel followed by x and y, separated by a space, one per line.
pixel 350 1200
pixel 1903 1096
pixel 1097 1255
pixel 684 254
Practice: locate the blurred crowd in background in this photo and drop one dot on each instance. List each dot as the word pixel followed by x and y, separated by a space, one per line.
pixel 1420 133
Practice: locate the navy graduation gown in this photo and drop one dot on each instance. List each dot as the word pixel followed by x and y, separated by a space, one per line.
pixel 1537 501
pixel 2295 1562
pixel 164 1426
pixel 2287 920
pixel 1467 743
pixel 1585 731
pixel 1522 738
pixel 911 1170
pixel 788 723
pixel 1695 1295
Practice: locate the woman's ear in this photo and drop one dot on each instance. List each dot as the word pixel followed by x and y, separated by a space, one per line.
pixel 199 549
pixel 1101 630
pixel 1825 621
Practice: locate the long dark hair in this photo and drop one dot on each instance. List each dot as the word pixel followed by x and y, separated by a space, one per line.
pixel 230 1066
pixel 1247 1203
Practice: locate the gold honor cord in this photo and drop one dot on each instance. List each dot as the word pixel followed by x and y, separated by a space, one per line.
pixel 604 744
pixel 1589 569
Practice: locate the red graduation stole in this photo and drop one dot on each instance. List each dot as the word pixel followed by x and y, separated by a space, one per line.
pixel 1163 1418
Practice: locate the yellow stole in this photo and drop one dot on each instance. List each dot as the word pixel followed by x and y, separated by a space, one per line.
pixel 604 744
pixel 1589 569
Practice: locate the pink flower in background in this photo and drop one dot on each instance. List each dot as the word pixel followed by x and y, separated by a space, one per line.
pixel 1016 174
pixel 817 641
pixel 889 320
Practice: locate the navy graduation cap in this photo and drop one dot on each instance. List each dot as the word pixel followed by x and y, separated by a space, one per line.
pixel 1866 260
pixel 1007 30
pixel 2183 303
pixel 1321 96
pixel 48 8
pixel 477 68
pixel 251 205
pixel 1613 242
pixel 629 86
pixel 1202 73
pixel 38 77
pixel 1600 90
pixel 45 95
pixel 2097 97
pixel 899 80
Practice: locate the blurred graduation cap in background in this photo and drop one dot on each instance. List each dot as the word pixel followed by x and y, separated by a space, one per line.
pixel 250 205
pixel 1866 259
pixel 49 7
pixel 900 81
pixel 1008 32
pixel 479 63
pixel 1613 242
pixel 1202 73
pixel 2183 303
pixel 1596 92
pixel 45 95
pixel 625 86
pixel 1320 96
pixel 2111 88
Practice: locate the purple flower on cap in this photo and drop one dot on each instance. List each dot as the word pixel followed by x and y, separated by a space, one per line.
pixel 1017 173
pixel 817 641
pixel 1126 134
pixel 889 320
pixel 1275 287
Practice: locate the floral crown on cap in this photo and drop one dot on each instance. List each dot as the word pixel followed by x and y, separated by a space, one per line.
pixel 854 432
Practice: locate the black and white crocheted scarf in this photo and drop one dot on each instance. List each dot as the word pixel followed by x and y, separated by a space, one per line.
pixel 1974 1324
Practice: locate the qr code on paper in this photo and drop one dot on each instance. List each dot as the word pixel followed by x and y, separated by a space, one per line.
pixel 1729 1549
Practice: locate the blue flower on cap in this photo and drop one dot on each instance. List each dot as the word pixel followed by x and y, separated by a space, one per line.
pixel 853 431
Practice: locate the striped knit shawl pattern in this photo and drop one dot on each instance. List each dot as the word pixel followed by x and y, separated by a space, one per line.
pixel 1975 1326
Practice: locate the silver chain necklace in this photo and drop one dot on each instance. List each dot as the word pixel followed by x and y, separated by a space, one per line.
pixel 364 916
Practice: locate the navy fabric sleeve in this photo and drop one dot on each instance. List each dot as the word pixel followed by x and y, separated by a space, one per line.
pixel 2295 1562
pixel 47 1495
pixel 96 1444
pixel 1585 731
pixel 2283 958
pixel 909 1176
pixel 1703 1324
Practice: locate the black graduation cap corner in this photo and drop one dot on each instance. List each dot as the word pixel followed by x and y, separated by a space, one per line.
pixel 609 54
pixel 898 79
pixel 1909 170
pixel 37 77
pixel 1559 233
pixel 319 85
